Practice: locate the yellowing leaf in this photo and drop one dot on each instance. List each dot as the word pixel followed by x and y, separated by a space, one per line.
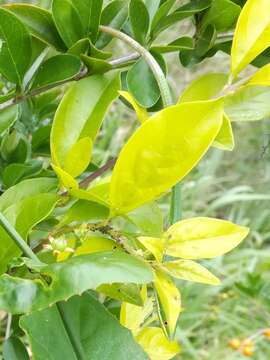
pixel 133 316
pixel 191 271
pixel 156 344
pixel 162 152
pixel 252 34
pixel 169 298
pixel 140 111
pixel 95 244
pixel 203 238
pixel 261 77
pixel 225 137
pixel 154 245
pixel 78 157
pixel 204 88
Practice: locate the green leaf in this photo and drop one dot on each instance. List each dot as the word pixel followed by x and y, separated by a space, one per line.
pixel 15 173
pixel 261 77
pixel 80 115
pixel 156 344
pixel 90 13
pixel 142 84
pixel 96 333
pixel 129 293
pixel 222 15
pixel 152 7
pixel 139 20
pixel 15 47
pixel 156 246
pixel 183 43
pixel 251 36
pixel 113 15
pixel 25 189
pixel 71 277
pixel 96 66
pixel 68 21
pixel 84 210
pixel 249 103
pixel 203 238
pixel 187 10
pixel 39 23
pixel 93 244
pixel 140 111
pixel 24 215
pixel 162 152
pixel 190 270
pixel 170 300
pixel 8 118
pixel 161 13
pixel 14 349
pixel 57 69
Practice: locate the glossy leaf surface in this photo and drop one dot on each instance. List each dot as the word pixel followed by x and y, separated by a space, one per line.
pixel 251 36
pixel 203 238
pixel 139 20
pixel 162 151
pixel 80 114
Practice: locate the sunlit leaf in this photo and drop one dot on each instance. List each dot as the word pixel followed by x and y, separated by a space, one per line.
pixel 155 245
pixel 96 244
pixel 203 238
pixel 162 151
pixel 225 137
pixel 251 37
pixel 169 298
pixel 140 111
pixel 156 344
pixel 191 271
pixel 261 77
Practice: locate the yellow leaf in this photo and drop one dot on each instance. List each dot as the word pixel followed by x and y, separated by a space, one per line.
pixel 72 187
pixel 203 238
pixel 95 244
pixel 169 298
pixel 156 344
pixel 191 271
pixel 261 77
pixel 133 316
pixel 78 157
pixel 140 111
pixel 162 152
pixel 154 245
pixel 204 88
pixel 225 138
pixel 252 34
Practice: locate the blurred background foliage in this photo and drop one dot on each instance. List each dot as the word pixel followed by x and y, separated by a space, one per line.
pixel 232 185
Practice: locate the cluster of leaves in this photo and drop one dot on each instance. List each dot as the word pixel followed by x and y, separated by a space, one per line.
pixel 105 236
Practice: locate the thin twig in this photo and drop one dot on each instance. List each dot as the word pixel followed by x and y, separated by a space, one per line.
pixel 109 165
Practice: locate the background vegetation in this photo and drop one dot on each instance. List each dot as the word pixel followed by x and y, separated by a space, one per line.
pixel 233 186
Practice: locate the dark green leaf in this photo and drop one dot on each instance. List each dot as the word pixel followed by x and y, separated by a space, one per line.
pixel 57 69
pixel 114 15
pixel 14 173
pixel 162 13
pixel 183 43
pixel 139 20
pixel 15 47
pixel 142 84
pixel 69 278
pixel 93 333
pixel 14 349
pixel 96 66
pixel 187 10
pixel 68 21
pixel 222 15
pixel 39 22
